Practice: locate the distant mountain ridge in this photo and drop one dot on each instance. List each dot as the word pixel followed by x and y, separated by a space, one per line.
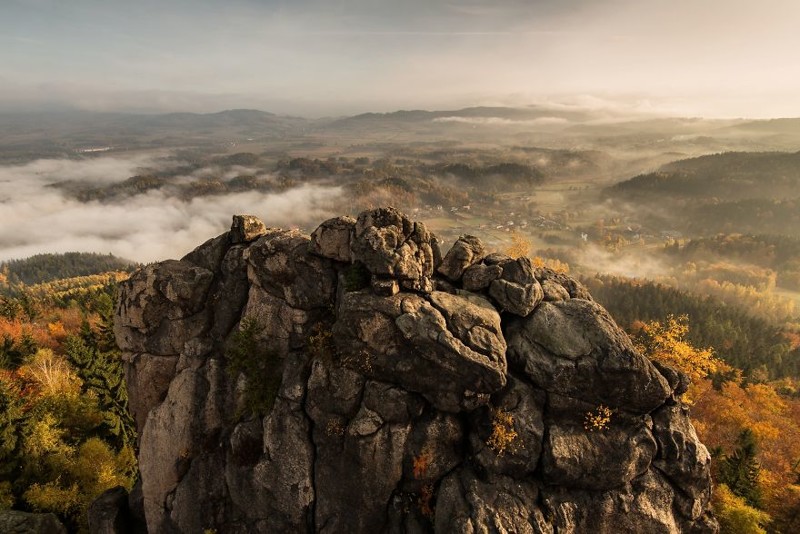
pixel 729 175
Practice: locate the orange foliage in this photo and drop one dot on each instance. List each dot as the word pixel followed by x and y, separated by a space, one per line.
pixel 15 329
pixel 421 464
pixel 719 416
pixel 56 330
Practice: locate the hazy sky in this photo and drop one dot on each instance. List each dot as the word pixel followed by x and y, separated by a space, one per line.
pixel 313 57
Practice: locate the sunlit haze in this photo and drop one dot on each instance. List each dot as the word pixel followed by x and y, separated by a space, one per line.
pixel 313 58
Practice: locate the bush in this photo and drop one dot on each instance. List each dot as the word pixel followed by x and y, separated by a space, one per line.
pixel 262 369
pixel 734 514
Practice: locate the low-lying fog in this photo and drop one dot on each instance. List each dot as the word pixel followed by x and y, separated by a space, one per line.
pixel 38 218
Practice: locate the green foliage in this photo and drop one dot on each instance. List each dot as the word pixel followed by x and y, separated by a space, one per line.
pixel 52 458
pixel 13 352
pixel 102 374
pixel 356 277
pixel 501 175
pixel 739 471
pixel 10 308
pixel 84 472
pixel 261 368
pixel 12 415
pixel 735 516
pixel 65 431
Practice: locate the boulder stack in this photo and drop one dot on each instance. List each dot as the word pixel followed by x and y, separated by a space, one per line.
pixel 357 381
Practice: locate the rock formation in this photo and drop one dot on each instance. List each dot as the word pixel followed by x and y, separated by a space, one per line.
pixel 357 381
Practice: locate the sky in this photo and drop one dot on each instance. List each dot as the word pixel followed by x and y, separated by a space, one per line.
pixel 715 58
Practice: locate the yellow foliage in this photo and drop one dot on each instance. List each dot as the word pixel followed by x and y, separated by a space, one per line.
pixel 97 468
pixel 6 496
pixel 553 264
pixel 735 516
pixel 721 414
pixel 598 419
pixel 56 330
pixel 83 473
pixel 52 497
pixel 503 433
pixel 666 343
pixel 520 246
pixel 46 438
pixel 52 375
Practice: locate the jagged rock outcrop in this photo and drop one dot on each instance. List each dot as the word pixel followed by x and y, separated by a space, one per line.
pixel 356 381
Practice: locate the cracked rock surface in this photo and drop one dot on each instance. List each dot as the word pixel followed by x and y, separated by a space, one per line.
pixel 396 391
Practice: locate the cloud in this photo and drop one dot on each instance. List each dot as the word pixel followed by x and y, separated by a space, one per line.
pixel 154 226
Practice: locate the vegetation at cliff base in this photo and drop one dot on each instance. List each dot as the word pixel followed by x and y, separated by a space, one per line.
pixel 751 429
pixel 66 434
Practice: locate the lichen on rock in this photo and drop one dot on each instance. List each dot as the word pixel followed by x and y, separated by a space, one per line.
pixel 416 393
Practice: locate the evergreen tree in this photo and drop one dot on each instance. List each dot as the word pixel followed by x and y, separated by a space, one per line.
pixel 739 471
pixel 101 372
pixel 11 418
pixel 13 352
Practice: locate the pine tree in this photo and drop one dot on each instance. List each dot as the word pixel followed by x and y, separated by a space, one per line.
pixel 740 470
pixel 11 417
pixel 101 372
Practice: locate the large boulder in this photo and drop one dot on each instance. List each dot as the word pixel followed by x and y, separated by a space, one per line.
pixel 332 239
pixel 574 348
pixel 448 348
pixel 15 522
pixel 390 244
pixel 345 382
pixel 464 253
pixel 516 290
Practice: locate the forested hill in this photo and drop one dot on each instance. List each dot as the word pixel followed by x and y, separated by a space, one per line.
pixel 43 268
pixel 729 176
pixel 759 348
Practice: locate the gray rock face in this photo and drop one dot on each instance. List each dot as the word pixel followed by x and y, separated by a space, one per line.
pixel 465 252
pixel 246 228
pixel 478 277
pixel 332 239
pixel 110 514
pixel 344 382
pixel 390 244
pixel 448 348
pixel 574 348
pixel 517 290
pixel 14 522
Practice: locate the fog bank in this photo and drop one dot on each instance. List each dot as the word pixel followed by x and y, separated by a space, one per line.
pixel 38 218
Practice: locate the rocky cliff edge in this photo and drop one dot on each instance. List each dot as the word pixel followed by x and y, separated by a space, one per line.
pixel 356 380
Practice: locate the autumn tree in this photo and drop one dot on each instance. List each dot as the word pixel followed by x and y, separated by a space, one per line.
pixel 735 516
pixel 520 246
pixel 666 343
